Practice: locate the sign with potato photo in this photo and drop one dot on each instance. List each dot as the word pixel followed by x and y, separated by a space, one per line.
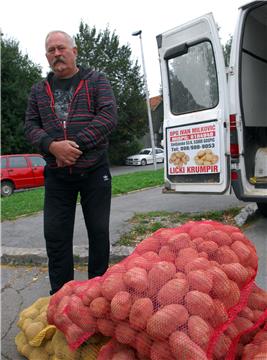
pixel 193 149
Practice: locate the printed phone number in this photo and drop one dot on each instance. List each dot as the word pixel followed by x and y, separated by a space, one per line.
pixel 197 147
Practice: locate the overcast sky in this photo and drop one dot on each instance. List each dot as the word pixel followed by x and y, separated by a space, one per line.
pixel 29 21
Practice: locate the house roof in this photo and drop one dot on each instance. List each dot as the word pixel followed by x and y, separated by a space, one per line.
pixel 155 101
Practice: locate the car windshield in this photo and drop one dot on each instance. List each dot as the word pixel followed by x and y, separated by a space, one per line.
pixel 144 152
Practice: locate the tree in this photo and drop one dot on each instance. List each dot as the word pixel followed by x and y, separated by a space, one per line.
pixel 227 50
pixel 18 75
pixel 102 51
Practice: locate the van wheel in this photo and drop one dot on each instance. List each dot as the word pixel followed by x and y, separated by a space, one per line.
pixel 262 208
pixel 143 162
pixel 7 188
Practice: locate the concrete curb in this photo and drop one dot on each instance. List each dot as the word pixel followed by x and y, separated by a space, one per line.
pixel 37 256
pixel 26 256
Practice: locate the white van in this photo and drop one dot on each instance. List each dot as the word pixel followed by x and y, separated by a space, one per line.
pixel 215 119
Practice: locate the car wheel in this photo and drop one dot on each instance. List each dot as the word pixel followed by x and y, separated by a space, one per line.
pixel 262 208
pixel 7 188
pixel 143 162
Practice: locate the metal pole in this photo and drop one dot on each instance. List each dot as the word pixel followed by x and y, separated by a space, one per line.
pixel 148 103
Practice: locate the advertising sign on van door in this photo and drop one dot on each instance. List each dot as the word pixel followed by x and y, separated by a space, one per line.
pixel 193 149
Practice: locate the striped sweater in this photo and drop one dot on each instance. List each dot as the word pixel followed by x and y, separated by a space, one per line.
pixel 92 117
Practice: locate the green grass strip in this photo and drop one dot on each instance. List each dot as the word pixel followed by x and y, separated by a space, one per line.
pixel 31 201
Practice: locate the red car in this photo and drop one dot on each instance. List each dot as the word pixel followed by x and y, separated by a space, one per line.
pixel 20 171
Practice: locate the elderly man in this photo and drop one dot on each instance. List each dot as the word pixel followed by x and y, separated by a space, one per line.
pixel 69 117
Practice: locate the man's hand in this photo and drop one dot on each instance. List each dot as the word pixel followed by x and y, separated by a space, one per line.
pixel 66 152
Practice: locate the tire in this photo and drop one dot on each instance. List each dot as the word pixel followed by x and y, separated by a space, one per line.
pixel 262 207
pixel 7 188
pixel 143 162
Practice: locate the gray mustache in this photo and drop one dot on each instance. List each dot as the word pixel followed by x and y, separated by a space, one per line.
pixel 58 60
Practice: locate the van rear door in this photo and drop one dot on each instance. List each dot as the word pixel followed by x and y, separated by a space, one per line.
pixel 196 108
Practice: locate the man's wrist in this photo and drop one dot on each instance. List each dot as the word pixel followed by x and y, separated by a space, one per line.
pixel 52 147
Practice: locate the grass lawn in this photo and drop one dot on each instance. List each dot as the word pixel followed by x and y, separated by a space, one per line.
pixel 31 201
pixel 144 224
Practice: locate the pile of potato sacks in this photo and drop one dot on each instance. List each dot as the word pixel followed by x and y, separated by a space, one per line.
pixel 186 293
pixel 39 341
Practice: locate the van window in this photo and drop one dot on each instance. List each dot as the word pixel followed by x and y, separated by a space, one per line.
pixel 3 163
pixel 193 79
pixel 17 162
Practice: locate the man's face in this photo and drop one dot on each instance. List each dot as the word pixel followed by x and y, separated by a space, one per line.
pixel 61 55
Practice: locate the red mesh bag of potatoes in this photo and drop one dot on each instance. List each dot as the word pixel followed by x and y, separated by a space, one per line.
pixel 114 350
pixel 257 348
pixel 249 322
pixel 174 297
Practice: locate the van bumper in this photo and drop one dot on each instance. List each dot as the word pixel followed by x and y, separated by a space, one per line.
pixel 239 190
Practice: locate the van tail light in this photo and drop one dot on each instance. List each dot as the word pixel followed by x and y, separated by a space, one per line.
pixel 234 148
pixel 234 175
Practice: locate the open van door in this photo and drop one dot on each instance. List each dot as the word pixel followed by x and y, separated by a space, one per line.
pixel 196 108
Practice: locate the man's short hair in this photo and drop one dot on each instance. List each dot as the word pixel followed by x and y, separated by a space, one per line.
pixel 72 41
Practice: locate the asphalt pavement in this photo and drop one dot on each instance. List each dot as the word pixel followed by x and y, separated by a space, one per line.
pixel 22 242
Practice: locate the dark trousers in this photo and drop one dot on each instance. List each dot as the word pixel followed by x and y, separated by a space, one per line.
pixel 61 194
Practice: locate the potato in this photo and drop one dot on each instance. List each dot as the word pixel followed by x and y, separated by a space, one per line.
pixel 38 353
pixel 222 346
pixel 179 241
pixel 199 331
pixel 198 263
pixel 137 261
pixel 151 256
pixel 209 247
pixel 221 284
pixel 33 329
pixel 148 244
pixel 219 237
pixel 166 254
pixel 100 307
pixel 140 312
pixel 225 255
pixel 164 234
pixel 91 293
pixel 220 314
pixel 200 230
pixel 124 354
pixel 247 313
pixel 120 305
pixel 166 320
pixel 229 229
pixel 106 327
pixel 241 250
pixel 160 350
pixel 189 252
pixel 81 287
pixel 182 347
pixel 115 269
pixel 257 314
pixel 200 280
pixel 199 303
pixel 242 323
pixel 233 297
pixel 112 284
pixel 136 279
pixel 81 315
pixel 236 272
pixel 124 333
pixel 160 273
pixel 231 331
pixel 173 291
pixel 143 344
